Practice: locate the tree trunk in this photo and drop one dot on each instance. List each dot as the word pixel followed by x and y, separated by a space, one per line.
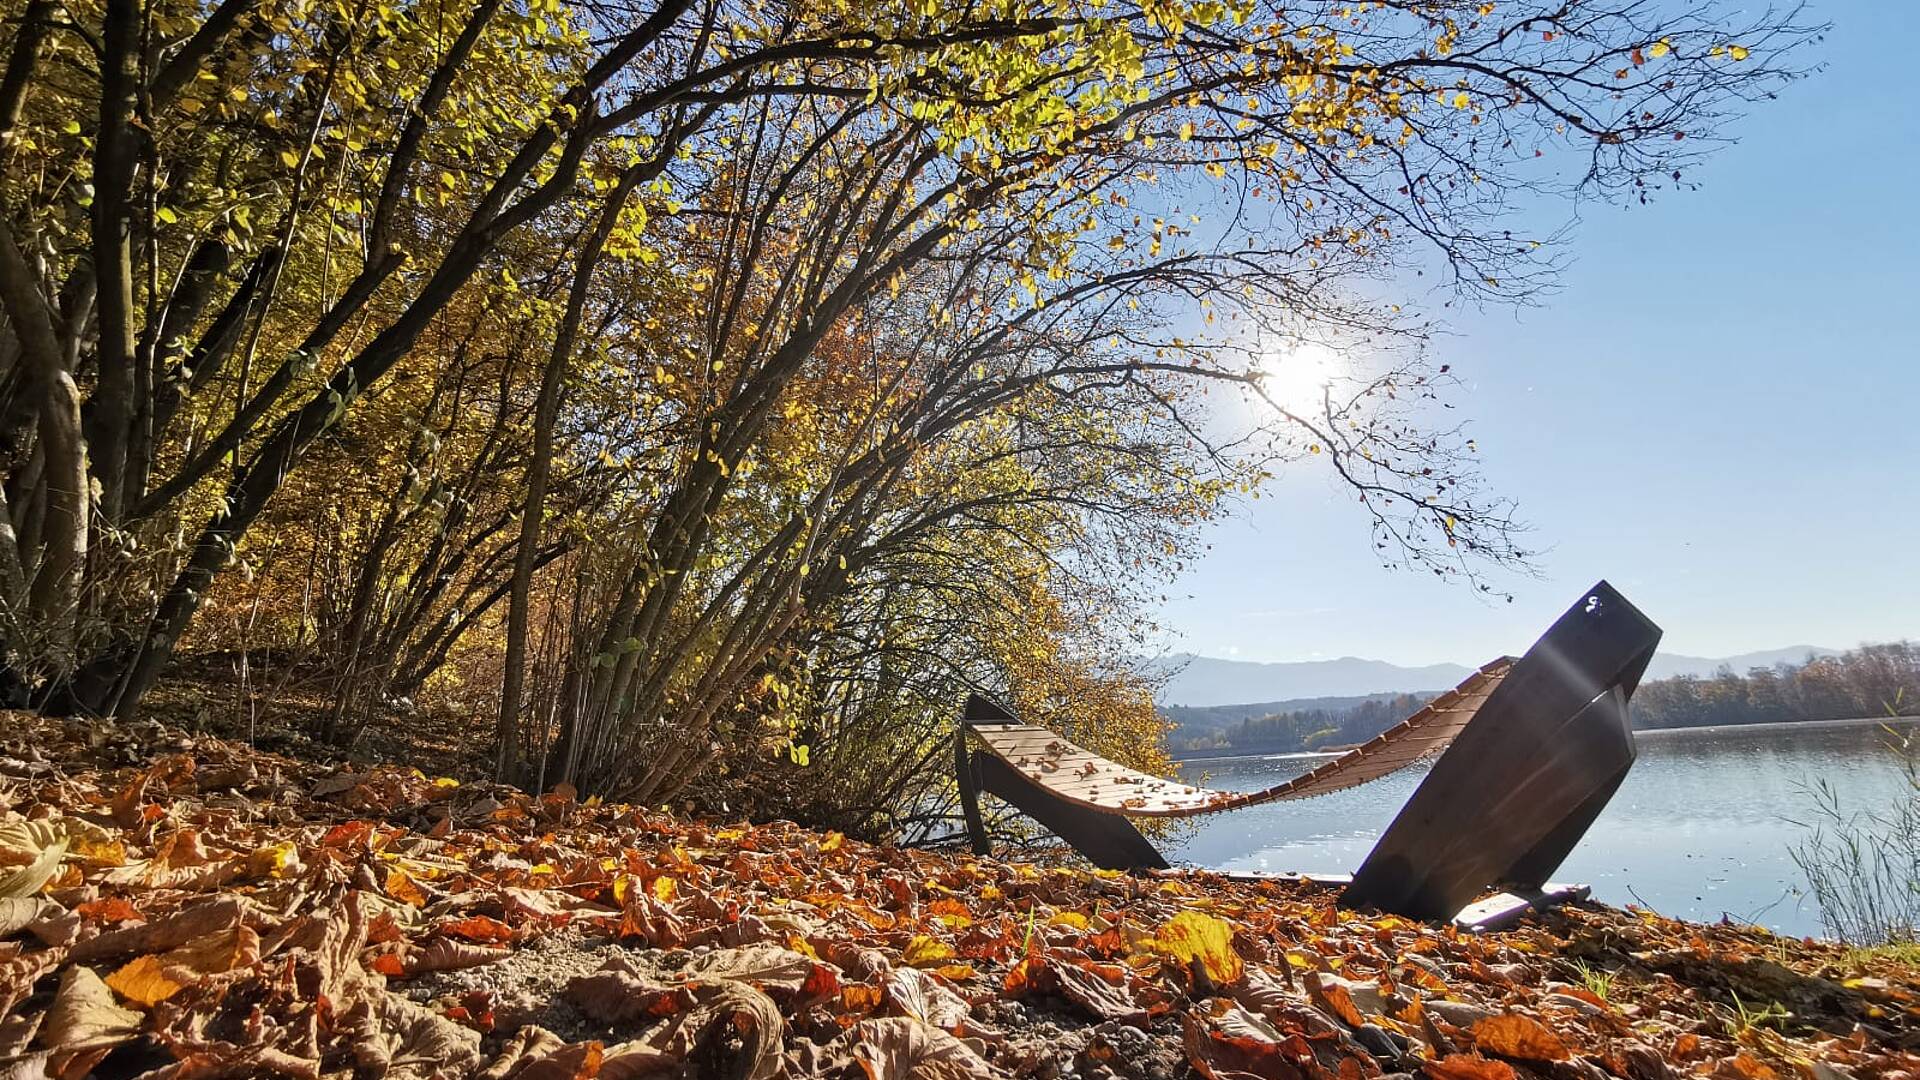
pixel 546 414
pixel 111 407
pixel 55 588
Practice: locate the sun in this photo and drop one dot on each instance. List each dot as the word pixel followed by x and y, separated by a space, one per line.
pixel 1295 378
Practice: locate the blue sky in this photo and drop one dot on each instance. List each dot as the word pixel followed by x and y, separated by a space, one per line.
pixel 1718 411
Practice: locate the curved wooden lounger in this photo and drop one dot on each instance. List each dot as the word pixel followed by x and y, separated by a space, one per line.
pixel 1531 750
pixel 1084 778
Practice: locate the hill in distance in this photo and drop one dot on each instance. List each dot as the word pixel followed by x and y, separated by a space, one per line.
pixel 1194 721
pixel 1263 688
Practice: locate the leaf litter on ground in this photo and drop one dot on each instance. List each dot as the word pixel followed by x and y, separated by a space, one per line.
pixel 214 911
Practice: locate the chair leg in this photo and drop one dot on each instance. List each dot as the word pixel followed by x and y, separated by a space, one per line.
pixel 1108 840
pixel 970 794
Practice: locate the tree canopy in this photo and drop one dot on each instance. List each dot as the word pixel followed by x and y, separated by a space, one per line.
pixel 694 395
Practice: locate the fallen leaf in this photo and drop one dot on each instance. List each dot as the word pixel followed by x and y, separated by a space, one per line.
pixel 1514 1036
pixel 773 968
pixel 84 1015
pixel 902 1048
pixel 924 997
pixel 156 977
pixel 1194 935
pixel 924 951
pixel 621 994
pixel 1334 998
pixel 274 860
pixel 1246 1047
pixel 1105 998
pixel 28 880
pixel 443 954
pixel 195 922
pixel 732 1029
pixel 17 913
pixel 109 909
pixel 1467 1067
pixel 403 1041
pixel 479 928
pixel 402 887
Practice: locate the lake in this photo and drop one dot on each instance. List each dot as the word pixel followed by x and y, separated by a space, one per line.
pixel 1702 828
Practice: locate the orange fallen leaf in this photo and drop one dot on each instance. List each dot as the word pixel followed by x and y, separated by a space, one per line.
pixel 403 888
pixel 1335 999
pixel 1514 1036
pixel 109 909
pixel 155 977
pixel 144 980
pixel 480 928
pixel 1467 1067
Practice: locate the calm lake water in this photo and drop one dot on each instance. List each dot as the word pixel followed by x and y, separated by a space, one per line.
pixel 1702 827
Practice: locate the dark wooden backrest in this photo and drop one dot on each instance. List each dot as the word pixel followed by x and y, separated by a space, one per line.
pixel 1518 787
pixel 982 710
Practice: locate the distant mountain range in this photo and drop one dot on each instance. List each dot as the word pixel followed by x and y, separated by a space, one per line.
pixel 1206 681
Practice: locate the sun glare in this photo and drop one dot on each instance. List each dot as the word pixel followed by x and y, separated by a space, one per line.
pixel 1296 378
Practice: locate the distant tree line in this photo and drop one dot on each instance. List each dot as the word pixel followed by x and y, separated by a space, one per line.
pixel 1873 680
pixel 1311 729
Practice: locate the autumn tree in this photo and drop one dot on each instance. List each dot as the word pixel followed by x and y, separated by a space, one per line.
pixel 705 376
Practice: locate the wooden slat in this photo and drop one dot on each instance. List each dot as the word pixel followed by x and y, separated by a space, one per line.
pixel 1048 759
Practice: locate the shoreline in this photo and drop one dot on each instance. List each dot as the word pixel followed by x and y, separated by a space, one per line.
pixel 1638 733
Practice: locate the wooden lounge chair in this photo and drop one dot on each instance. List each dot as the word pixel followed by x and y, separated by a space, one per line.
pixel 1530 752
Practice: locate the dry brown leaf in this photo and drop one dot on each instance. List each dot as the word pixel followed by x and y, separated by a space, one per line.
pixel 732 1028
pixel 156 977
pixel 924 997
pixel 769 967
pixel 1261 989
pixel 620 994
pixel 480 928
pixel 1242 1047
pixel 84 1015
pixel 19 973
pixel 444 954
pixel 902 1048
pixel 530 1043
pixel 16 913
pixel 1467 1067
pixel 567 1061
pixel 403 1041
pixel 1106 999
pixel 28 880
pixel 175 930
pixel 1334 998
pixel 650 920
pixel 1514 1036
pixel 28 1067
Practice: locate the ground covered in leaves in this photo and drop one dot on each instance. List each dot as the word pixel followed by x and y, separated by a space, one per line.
pixel 178 906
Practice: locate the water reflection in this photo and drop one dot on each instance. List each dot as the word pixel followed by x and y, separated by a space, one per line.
pixel 1702 828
